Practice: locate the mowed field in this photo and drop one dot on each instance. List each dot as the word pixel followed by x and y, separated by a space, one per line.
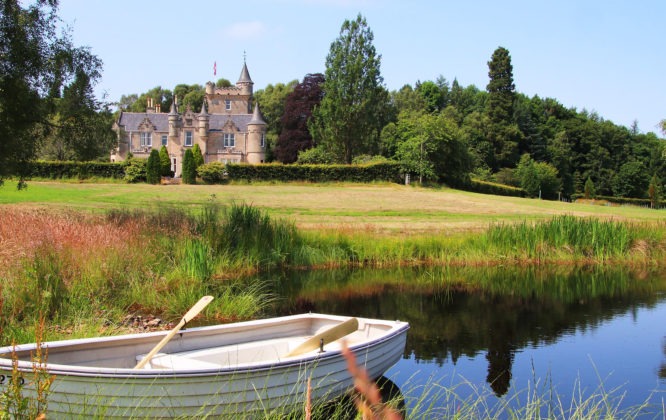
pixel 381 208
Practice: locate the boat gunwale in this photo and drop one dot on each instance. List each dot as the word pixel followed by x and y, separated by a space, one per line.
pixel 396 328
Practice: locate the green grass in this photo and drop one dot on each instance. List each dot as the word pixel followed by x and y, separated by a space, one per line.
pixel 389 209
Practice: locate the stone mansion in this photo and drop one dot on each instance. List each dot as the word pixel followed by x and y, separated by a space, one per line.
pixel 228 129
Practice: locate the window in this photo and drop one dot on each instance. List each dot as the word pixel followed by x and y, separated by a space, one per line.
pixel 188 138
pixel 146 139
pixel 173 166
pixel 229 140
pixel 227 104
pixel 164 140
pixel 263 140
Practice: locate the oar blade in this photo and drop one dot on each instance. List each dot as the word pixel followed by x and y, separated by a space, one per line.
pixel 330 335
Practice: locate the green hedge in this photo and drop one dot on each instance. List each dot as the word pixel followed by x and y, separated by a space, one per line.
pixel 79 170
pixel 642 202
pixel 390 172
pixel 485 187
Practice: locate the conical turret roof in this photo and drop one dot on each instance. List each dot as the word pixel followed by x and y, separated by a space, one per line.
pixel 256 117
pixel 245 75
pixel 204 110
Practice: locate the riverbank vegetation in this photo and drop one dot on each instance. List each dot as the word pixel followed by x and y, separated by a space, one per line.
pixel 85 272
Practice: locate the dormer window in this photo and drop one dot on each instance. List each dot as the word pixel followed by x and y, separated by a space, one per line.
pixel 227 104
pixel 146 139
pixel 229 140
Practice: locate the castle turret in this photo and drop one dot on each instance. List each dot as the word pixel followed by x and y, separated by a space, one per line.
pixel 256 138
pixel 245 82
pixel 203 118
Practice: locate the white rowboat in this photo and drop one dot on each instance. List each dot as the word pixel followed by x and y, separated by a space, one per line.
pixel 219 370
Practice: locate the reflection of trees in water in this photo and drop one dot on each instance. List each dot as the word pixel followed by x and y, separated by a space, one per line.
pixel 662 369
pixel 463 312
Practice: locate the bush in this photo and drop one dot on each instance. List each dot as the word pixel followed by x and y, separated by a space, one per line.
pixel 135 170
pixel 153 168
pixel 315 156
pixel 165 162
pixel 189 168
pixel 212 173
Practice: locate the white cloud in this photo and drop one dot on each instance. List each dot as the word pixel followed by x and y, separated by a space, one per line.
pixel 245 30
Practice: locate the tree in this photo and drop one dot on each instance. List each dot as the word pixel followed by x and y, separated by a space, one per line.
pixel 165 162
pixel 589 189
pixel 294 135
pixel 655 191
pixel 36 63
pixel 538 179
pixel 197 156
pixel 429 146
pixel 432 95
pixel 503 132
pixel 355 105
pixel 272 102
pixel 153 167
pixel 631 180
pixel 189 170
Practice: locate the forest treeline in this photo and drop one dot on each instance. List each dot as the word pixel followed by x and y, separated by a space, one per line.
pixel 443 131
pixel 439 131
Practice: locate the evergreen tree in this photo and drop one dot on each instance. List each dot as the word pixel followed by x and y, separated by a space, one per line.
pixel 197 156
pixel 355 104
pixel 189 169
pixel 165 162
pixel 589 188
pixel 503 132
pixel 153 167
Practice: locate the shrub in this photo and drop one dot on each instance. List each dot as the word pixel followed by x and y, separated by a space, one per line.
pixel 198 156
pixel 153 168
pixel 189 168
pixel 315 155
pixel 212 173
pixel 135 170
pixel 165 162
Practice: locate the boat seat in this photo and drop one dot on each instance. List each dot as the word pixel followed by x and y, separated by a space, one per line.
pixel 173 362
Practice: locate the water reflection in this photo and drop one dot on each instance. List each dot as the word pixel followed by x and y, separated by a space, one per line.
pixel 457 312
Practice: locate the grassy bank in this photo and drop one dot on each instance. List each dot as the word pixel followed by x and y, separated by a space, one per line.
pixel 85 272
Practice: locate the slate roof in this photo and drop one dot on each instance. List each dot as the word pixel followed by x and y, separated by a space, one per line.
pixel 130 121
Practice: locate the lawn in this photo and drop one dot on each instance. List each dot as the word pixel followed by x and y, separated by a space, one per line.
pixel 378 208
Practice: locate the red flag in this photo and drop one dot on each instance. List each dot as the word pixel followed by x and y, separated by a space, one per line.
pixel 215 68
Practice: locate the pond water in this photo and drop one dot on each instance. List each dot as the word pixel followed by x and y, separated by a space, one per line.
pixel 503 336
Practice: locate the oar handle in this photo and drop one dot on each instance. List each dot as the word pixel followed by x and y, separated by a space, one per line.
pixel 194 311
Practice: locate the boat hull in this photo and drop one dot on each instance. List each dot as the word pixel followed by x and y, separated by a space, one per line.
pixel 198 389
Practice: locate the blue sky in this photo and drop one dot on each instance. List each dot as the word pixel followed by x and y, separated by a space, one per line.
pixel 604 56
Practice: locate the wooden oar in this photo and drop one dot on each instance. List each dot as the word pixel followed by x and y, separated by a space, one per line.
pixel 194 311
pixel 330 335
